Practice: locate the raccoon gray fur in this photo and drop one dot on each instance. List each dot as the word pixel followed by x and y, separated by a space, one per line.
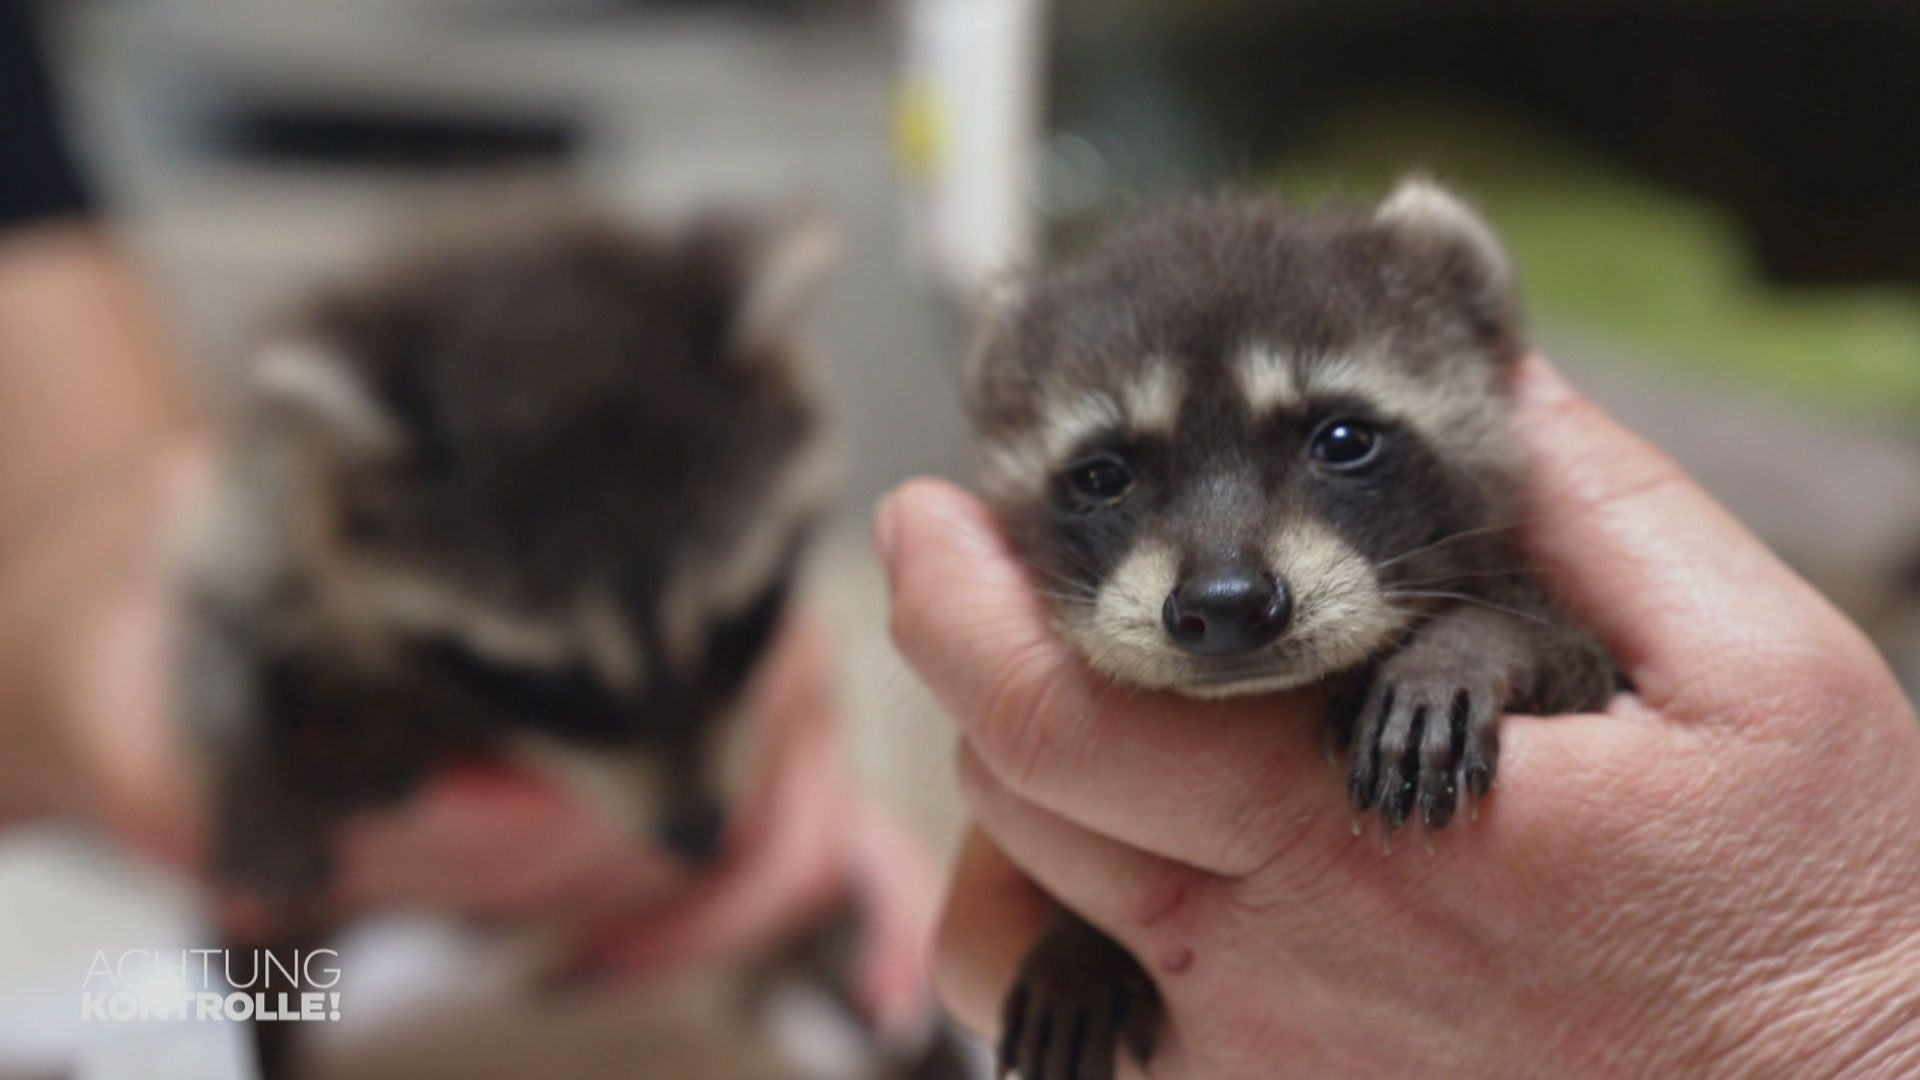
pixel 480 503
pixel 1245 450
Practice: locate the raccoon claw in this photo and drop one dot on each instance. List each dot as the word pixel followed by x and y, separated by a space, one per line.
pixel 1360 788
pixel 1395 793
pixel 1478 777
pixel 1437 804
pixel 1078 998
pixel 1420 741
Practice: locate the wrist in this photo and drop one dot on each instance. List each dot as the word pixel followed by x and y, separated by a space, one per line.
pixel 1802 995
pixel 1854 1018
pixel 1804 1004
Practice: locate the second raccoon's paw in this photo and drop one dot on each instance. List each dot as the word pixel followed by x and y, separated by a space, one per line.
pixel 1078 997
pixel 1424 736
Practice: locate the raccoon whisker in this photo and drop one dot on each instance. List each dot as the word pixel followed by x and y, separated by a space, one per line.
pixel 1517 570
pixel 1074 586
pixel 1070 584
pixel 1077 584
pixel 1076 593
pixel 1069 587
pixel 1464 598
pixel 996 614
pixel 1032 566
pixel 1463 575
pixel 1399 637
pixel 989 584
pixel 1464 534
pixel 1066 598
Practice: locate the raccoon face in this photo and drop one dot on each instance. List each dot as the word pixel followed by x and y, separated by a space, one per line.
pixel 568 468
pixel 1242 450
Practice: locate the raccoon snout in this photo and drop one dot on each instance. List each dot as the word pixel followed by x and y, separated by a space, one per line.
pixel 1227 609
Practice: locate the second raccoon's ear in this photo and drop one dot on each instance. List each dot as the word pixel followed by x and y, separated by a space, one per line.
pixel 1425 211
pixel 785 277
pixel 310 385
pixel 994 314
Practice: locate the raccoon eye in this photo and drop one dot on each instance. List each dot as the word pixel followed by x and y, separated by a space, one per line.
pixel 1101 480
pixel 1345 443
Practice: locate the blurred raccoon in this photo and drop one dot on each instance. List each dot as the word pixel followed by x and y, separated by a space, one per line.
pixel 539 491
pixel 478 505
pixel 1245 450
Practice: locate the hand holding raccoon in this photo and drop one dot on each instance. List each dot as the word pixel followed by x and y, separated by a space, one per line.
pixel 1215 847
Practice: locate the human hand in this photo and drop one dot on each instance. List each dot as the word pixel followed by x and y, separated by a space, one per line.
pixel 1715 876
pixel 500 843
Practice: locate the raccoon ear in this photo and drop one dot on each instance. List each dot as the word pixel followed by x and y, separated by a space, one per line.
pixel 1421 208
pixel 998 306
pixel 311 384
pixel 785 278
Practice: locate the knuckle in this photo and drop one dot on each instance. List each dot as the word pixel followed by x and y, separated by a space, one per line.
pixel 970 774
pixel 1765 671
pixel 1261 831
pixel 979 788
pixel 1814 679
pixel 1254 840
pixel 1635 470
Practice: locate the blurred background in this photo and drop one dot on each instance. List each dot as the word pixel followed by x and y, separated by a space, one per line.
pixel 1715 208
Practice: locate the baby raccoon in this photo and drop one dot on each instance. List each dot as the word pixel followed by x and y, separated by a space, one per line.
pixel 1245 450
pixel 538 492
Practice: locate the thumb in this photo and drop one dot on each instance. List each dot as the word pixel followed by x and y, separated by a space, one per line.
pixel 1680 590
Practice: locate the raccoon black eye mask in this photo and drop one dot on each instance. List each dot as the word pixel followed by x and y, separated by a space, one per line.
pixel 1244 450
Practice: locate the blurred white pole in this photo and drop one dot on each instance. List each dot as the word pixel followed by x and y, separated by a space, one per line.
pixel 967 125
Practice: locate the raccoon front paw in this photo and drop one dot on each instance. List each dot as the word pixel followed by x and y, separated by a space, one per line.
pixel 1077 997
pixel 1423 735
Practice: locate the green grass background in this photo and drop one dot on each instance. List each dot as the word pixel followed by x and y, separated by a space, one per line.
pixel 1623 262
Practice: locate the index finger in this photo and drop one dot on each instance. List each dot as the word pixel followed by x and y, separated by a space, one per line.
pixel 1651 562
pixel 1212 785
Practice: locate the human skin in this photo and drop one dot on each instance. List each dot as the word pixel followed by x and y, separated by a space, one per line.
pixel 100 451
pixel 1716 876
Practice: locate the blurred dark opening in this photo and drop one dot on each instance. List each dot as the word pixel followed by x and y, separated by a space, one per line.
pixel 335 135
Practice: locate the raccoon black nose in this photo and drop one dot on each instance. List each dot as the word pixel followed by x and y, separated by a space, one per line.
pixel 1227 610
